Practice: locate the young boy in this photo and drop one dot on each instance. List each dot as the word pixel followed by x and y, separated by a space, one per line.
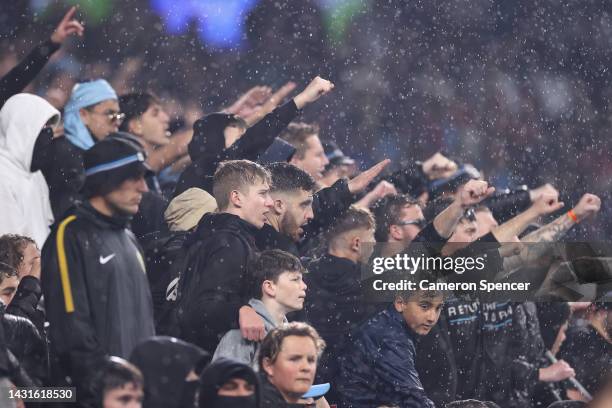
pixel 278 289
pixel 378 368
pixel 118 384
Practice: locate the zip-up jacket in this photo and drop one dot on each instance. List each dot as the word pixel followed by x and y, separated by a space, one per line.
pixel 96 292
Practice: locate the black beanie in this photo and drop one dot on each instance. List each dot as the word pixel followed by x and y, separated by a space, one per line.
pixel 111 161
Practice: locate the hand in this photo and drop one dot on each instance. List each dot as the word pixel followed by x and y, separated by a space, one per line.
pixel 67 27
pixel 579 306
pixel 361 181
pixel 269 105
pixel 250 101
pixel 315 89
pixel 35 268
pixel 438 166
pixel 251 324
pixel 473 192
pixel 588 206
pixel 543 189
pixel 382 189
pixel 546 203
pixel 558 371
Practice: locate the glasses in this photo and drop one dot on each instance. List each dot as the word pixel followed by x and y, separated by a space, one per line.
pixel 421 223
pixel 112 116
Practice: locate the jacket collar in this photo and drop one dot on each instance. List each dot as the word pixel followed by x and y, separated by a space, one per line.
pixel 87 211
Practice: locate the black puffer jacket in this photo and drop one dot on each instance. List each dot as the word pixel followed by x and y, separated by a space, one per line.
pixel 214 283
pixel 25 303
pixel 378 367
pixel 26 344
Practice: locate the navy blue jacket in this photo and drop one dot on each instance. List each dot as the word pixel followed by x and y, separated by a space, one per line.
pixel 378 368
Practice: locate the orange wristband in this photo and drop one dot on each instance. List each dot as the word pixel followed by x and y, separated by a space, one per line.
pixel 572 215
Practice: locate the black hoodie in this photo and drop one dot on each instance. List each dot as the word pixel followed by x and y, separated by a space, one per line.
pixel 165 362
pixel 218 373
pixel 207 148
pixel 214 283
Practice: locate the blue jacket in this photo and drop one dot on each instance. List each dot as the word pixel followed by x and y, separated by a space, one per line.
pixel 378 368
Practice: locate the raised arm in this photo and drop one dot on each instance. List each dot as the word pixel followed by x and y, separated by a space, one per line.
pixel 20 76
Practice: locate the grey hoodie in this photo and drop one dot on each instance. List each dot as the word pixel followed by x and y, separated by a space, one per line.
pixel 234 346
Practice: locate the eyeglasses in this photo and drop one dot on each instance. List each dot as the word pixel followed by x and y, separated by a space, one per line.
pixel 421 223
pixel 112 116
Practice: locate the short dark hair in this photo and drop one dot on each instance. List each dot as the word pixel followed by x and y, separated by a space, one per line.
pixel 287 177
pixel 114 373
pixel 12 247
pixel 297 134
pixel 269 265
pixel 271 345
pixel 236 175
pixel 6 271
pixel 354 218
pixel 388 211
pixel 134 105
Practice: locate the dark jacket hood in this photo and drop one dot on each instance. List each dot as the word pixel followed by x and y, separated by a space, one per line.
pixel 165 362
pixel 208 136
pixel 218 373
pixel 336 274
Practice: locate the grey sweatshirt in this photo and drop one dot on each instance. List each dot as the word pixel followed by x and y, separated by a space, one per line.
pixel 234 346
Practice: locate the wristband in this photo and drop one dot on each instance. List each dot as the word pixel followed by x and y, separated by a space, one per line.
pixel 572 215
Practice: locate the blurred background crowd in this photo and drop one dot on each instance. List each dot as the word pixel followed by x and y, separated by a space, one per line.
pixel 520 89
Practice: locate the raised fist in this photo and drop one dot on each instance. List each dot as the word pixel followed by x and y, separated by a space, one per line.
pixel 547 203
pixel 588 206
pixel 315 89
pixel 473 192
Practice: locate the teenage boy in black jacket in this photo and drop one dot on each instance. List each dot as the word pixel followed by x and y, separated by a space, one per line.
pixel 213 286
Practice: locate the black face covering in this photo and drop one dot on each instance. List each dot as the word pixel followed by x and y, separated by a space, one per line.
pixel 41 156
pixel 188 394
pixel 235 402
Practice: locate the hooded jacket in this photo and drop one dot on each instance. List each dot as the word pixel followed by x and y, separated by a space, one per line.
pixel 236 347
pixel 97 297
pixel 378 367
pixel 165 363
pixel 218 373
pixel 24 196
pixel 207 148
pixel 214 283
